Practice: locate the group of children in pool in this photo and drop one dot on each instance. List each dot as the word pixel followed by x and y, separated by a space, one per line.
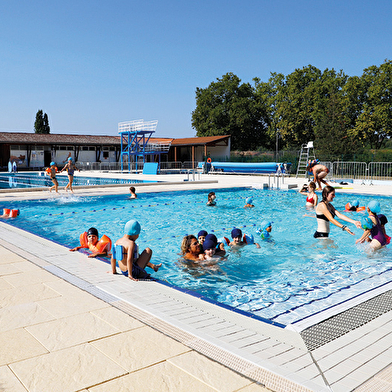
pixel 51 171
pixel 373 225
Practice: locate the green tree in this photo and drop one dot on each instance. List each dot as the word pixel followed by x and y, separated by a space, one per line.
pixel 295 106
pixel 227 107
pixel 41 124
pixel 373 126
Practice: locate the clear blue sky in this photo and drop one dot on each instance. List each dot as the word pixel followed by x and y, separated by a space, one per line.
pixel 92 64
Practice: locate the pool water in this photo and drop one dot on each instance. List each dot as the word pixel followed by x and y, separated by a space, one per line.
pixel 39 180
pixel 291 276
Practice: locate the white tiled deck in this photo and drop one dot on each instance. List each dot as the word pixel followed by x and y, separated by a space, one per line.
pixel 100 333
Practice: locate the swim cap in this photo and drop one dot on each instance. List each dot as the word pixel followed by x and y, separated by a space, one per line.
pixel 366 223
pixel 92 231
pixel 212 237
pixel 201 233
pixel 354 203
pixel 236 233
pixel 52 163
pixel 69 159
pixel 132 227
pixel 383 219
pixel 249 200
pixel 263 225
pixel 209 244
pixel 374 206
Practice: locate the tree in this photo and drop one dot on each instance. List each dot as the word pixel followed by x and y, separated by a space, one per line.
pixel 41 124
pixel 227 107
pixel 374 123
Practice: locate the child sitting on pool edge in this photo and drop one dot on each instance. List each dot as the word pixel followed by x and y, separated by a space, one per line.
pixel 131 261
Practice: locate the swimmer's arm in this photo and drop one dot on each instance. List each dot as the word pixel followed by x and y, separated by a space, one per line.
pixel 363 238
pixel 257 245
pixel 77 248
pixel 97 254
pixel 113 264
pixel 315 200
pixel 347 219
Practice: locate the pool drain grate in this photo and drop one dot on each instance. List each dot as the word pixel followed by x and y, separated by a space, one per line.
pixel 336 326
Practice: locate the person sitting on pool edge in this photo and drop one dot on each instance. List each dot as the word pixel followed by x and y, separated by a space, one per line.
pixel 132 261
pixel 237 239
pixel 90 240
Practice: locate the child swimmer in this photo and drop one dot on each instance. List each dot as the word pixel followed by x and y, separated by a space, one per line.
pixel 131 260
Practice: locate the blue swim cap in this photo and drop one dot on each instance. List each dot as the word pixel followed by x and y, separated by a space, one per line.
pixel 201 233
pixel 374 206
pixel 209 244
pixel 366 223
pixel 354 203
pixel 52 163
pixel 249 200
pixel 212 237
pixel 263 225
pixel 236 233
pixel 69 159
pixel 132 227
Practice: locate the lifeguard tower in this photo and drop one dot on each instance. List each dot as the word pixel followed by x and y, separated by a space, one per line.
pixel 307 153
pixel 135 143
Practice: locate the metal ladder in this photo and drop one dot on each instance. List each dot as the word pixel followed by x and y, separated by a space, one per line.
pixel 307 153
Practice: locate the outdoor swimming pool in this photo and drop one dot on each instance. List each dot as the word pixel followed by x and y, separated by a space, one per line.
pixel 288 278
pixel 40 180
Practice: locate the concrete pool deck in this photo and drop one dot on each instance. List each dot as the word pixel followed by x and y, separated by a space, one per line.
pixel 68 325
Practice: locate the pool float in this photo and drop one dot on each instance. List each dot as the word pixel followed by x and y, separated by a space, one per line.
pixel 102 244
pixel 262 230
pixel 48 169
pixel 354 206
pixel 366 223
pixel 12 213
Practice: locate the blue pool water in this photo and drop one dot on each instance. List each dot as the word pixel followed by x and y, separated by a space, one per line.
pixel 289 277
pixel 39 180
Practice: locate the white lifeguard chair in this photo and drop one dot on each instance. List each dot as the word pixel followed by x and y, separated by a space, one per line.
pixel 306 154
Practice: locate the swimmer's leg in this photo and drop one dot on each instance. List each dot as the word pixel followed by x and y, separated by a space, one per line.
pixel 144 260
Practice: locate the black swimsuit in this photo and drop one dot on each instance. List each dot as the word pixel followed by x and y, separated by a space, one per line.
pixel 331 209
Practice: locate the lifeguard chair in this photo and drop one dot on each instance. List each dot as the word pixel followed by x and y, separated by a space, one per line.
pixel 306 154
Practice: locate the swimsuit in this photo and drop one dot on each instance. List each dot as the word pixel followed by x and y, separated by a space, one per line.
pixel 310 200
pixel 377 233
pixel 137 271
pixel 323 222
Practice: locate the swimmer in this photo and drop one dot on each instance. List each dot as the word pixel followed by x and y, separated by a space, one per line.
pixel 326 212
pixel 70 168
pixel 92 242
pixel 237 239
pixel 211 199
pixel 311 196
pixel 51 171
pixel 384 221
pixel 132 192
pixel 354 206
pixel 248 202
pixel 190 248
pixel 265 229
pixel 201 235
pixel 219 246
pixel 372 227
pixel 319 172
pixel 133 265
pixel 209 247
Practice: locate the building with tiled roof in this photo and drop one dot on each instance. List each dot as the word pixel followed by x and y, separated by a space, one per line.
pixel 33 150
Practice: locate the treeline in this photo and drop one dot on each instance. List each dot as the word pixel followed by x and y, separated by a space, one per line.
pixel 343 115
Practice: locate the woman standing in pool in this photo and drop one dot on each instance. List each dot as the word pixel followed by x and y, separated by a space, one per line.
pixel 191 248
pixel 311 196
pixel 325 213
pixel 70 168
